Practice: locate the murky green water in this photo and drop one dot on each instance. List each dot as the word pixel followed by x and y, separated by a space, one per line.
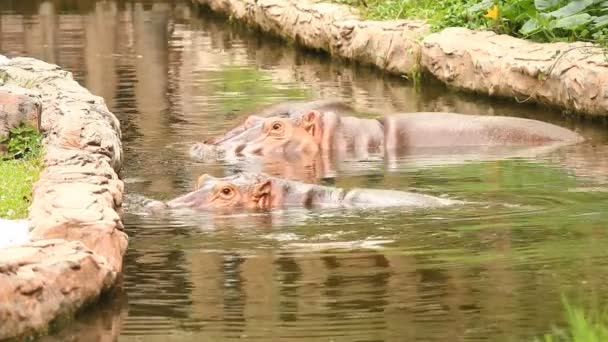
pixel 491 271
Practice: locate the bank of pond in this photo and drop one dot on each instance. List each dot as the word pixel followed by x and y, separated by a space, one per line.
pixel 21 151
pixel 304 218
pixel 537 20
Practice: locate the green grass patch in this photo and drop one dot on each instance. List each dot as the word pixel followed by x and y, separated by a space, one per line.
pixel 16 180
pixel 582 326
pixel 20 167
pixel 538 20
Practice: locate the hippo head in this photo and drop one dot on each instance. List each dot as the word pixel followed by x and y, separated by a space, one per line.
pixel 226 145
pixel 229 144
pixel 282 136
pixel 242 191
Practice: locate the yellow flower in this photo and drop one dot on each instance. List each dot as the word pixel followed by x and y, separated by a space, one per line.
pixel 492 13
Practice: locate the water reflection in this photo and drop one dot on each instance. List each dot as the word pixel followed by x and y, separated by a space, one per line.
pixel 493 271
pixel 104 322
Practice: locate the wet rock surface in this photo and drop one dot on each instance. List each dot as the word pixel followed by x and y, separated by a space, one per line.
pixel 75 217
pixel 570 75
pixel 45 280
pixel 573 76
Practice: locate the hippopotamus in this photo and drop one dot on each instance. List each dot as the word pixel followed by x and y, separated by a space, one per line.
pixel 218 147
pixel 251 191
pixel 322 131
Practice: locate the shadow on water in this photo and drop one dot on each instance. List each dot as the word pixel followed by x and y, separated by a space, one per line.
pixel 492 271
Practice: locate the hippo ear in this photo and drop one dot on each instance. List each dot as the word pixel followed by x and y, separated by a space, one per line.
pixel 310 120
pixel 263 187
pixel 261 193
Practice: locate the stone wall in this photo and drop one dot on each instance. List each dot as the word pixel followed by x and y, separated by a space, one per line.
pixel 76 226
pixel 573 76
pixel 391 45
pixel 45 280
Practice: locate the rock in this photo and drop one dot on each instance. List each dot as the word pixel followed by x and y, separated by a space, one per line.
pixel 76 227
pixel 570 75
pixel 79 194
pixel 44 280
pixel 104 322
pixel 573 76
pixel 391 45
pixel 16 108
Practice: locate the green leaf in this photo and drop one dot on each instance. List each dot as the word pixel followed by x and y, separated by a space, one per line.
pixel 574 21
pixel 483 5
pixel 529 27
pixel 600 22
pixel 572 8
pixel 542 5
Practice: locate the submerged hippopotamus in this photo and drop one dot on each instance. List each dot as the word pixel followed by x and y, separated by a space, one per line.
pixel 260 191
pixel 305 128
pixel 218 147
pixel 318 131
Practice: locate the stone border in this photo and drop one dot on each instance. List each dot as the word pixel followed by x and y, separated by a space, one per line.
pixel 572 76
pixel 75 221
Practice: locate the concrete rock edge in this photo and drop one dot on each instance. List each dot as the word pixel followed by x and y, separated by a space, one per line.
pixel 47 280
pixel 572 76
pixel 75 216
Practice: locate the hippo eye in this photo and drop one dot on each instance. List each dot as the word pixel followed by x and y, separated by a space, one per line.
pixel 276 126
pixel 226 191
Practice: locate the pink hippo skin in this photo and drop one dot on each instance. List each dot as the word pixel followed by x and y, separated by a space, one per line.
pixel 315 132
pixel 225 145
pixel 254 191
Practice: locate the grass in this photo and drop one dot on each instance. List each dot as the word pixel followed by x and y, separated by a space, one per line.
pixel 538 20
pixel 20 167
pixel 582 326
pixel 439 14
pixel 16 180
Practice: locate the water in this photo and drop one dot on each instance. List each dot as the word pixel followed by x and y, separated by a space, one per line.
pixel 490 271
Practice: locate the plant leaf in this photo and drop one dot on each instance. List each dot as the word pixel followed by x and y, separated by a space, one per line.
pixel 571 9
pixel 573 21
pixel 542 5
pixel 481 6
pixel 600 22
pixel 529 26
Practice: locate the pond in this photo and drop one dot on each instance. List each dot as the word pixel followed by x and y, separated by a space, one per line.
pixel 490 271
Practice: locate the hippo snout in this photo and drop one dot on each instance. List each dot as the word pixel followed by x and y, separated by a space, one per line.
pixel 155 206
pixel 204 151
pixel 239 148
pixel 251 150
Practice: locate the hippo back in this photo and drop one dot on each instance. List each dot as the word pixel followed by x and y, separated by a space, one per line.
pixel 296 108
pixel 452 129
pixel 388 198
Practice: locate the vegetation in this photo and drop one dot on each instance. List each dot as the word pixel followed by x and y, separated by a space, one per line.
pixel 590 326
pixel 539 20
pixel 20 167
pixel 23 142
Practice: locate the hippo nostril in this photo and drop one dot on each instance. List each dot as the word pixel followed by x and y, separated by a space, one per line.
pixel 256 151
pixel 209 141
pixel 239 148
